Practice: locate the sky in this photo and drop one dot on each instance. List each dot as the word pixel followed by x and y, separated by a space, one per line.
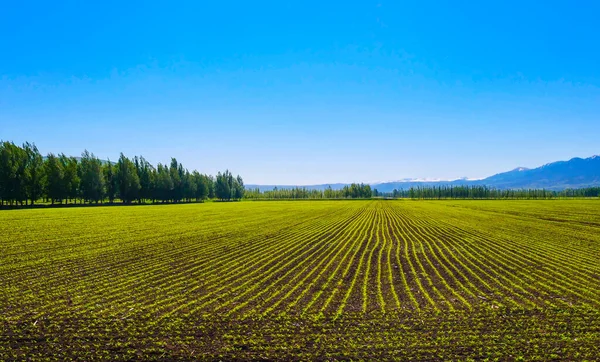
pixel 306 92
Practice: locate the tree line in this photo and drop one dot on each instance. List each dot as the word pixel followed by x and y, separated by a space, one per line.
pixel 27 177
pixel 363 191
pixel 352 191
pixel 484 192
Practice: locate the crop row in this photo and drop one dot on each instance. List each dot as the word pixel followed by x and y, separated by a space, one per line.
pixel 296 280
pixel 328 258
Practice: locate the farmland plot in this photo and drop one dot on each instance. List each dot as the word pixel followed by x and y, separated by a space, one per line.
pixel 303 280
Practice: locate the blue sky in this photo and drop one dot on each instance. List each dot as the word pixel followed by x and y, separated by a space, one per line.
pixel 309 91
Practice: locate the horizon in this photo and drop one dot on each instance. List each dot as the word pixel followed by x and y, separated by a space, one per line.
pixel 306 94
pixel 415 179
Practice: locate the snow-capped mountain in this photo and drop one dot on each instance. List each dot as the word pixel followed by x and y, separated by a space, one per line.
pixel 575 173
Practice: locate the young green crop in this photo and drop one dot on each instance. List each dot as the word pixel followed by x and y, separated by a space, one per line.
pixel 372 279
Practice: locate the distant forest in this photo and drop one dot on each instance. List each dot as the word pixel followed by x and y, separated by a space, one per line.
pixel 484 192
pixel 352 191
pixel 26 177
pixel 430 193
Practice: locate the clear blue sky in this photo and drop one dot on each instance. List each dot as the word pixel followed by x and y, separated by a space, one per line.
pixel 308 91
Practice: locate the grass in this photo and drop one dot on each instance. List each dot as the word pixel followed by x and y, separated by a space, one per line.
pixel 377 279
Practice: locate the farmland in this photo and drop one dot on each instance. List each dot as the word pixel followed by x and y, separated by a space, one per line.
pixel 365 279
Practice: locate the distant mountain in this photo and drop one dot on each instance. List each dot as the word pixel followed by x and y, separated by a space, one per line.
pixel 575 173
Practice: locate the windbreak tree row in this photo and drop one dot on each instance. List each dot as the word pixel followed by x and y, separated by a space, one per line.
pixel 352 191
pixel 364 191
pixel 485 192
pixel 27 177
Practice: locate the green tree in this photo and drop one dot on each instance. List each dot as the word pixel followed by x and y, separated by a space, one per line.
pixel 13 175
pixel 34 172
pixel 222 186
pixel 91 177
pixel 239 188
pixel 201 186
pixel 175 171
pixel 127 179
pixel 70 178
pixel 164 183
pixel 54 175
pixel 110 181
pixel 211 187
pixel 146 175
pixel 5 173
pixel 26 176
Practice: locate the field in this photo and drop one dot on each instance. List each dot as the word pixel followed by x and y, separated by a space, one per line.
pixel 425 280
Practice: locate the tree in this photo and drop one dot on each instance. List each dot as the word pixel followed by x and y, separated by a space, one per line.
pixel 239 188
pixel 176 173
pixel 211 187
pixel 201 186
pixel 228 187
pixel 189 187
pixel 222 187
pixel 54 175
pixel 91 177
pixel 13 165
pixel 70 177
pixel 110 181
pixel 329 194
pixel 127 180
pixel 5 173
pixel 164 184
pixel 34 172
pixel 146 175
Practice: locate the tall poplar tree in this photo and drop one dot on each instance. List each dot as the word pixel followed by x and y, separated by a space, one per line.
pixel 127 179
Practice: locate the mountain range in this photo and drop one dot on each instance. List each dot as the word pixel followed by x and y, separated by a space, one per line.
pixel 574 173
